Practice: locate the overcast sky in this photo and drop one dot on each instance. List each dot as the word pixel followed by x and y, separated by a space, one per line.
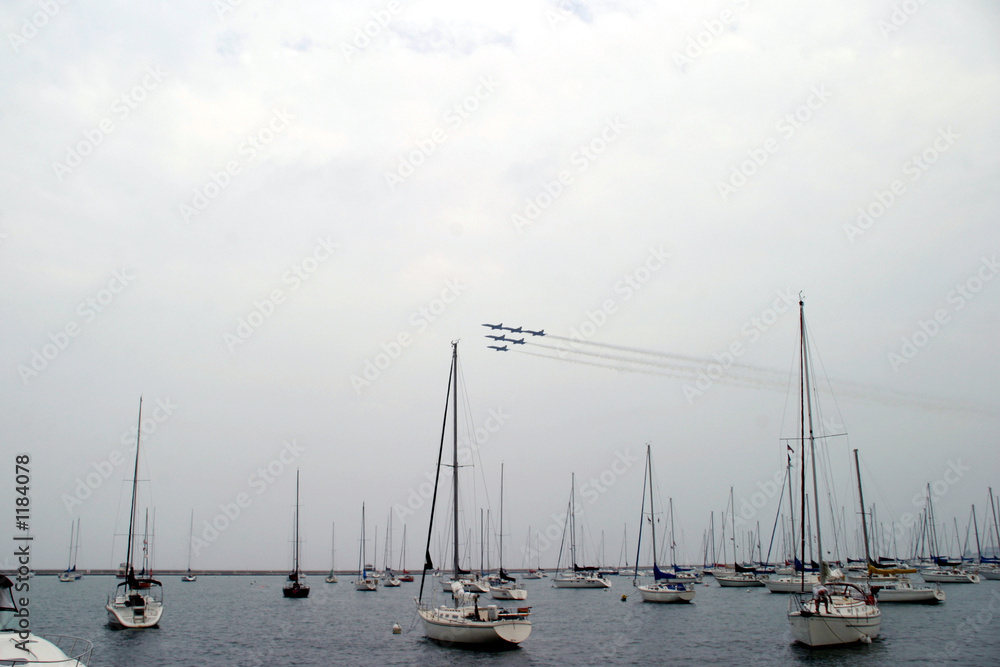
pixel 271 219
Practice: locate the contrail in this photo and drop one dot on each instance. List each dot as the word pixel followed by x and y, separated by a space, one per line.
pixel 651 362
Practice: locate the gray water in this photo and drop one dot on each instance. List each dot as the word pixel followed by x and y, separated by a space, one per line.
pixel 229 621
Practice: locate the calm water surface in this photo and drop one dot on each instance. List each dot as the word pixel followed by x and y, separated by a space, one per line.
pixel 229 621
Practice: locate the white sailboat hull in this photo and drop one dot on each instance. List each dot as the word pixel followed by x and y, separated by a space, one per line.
pixel 787 584
pixel 123 615
pixel 834 629
pixel 505 593
pixel 738 581
pixel 454 626
pixel 949 577
pixel 661 593
pixel 581 582
pixel 912 595
pixel 990 573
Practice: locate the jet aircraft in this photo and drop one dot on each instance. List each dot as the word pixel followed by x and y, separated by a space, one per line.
pixel 498 348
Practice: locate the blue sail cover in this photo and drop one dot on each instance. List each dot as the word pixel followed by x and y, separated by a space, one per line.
pixel 659 574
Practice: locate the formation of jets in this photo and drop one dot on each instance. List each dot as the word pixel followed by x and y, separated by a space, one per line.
pixel 503 337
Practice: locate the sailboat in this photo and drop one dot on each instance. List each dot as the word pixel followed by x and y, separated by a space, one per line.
pixel 389 578
pixel 405 576
pixel 190 576
pixel 364 582
pixel 579 576
pixel 464 623
pixel 137 601
pixel 533 573
pixel 671 590
pixel 295 586
pixel 502 585
pixel 332 578
pixel 837 612
pixel 74 547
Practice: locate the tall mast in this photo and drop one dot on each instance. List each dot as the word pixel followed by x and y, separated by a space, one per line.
pixel 673 555
pixel 190 541
pixel 975 524
pixel 732 516
pixel 502 573
pixel 76 549
pixel 572 519
pixel 652 511
pixel 996 526
pixel 861 500
pixel 454 470
pixel 802 435
pixel 135 483
pixel 812 439
pixel 295 551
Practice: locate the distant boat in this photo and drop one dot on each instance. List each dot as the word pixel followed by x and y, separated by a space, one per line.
pixel 669 590
pixel 364 582
pixel 332 578
pixel 579 576
pixel 465 623
pixel 295 586
pixel 190 576
pixel 22 647
pixel 137 602
pixel 74 547
pixel 405 576
pixel 836 612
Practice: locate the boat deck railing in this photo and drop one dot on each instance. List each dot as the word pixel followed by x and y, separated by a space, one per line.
pixel 77 649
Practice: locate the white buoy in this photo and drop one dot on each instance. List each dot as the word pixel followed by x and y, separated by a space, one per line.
pixel 396 629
